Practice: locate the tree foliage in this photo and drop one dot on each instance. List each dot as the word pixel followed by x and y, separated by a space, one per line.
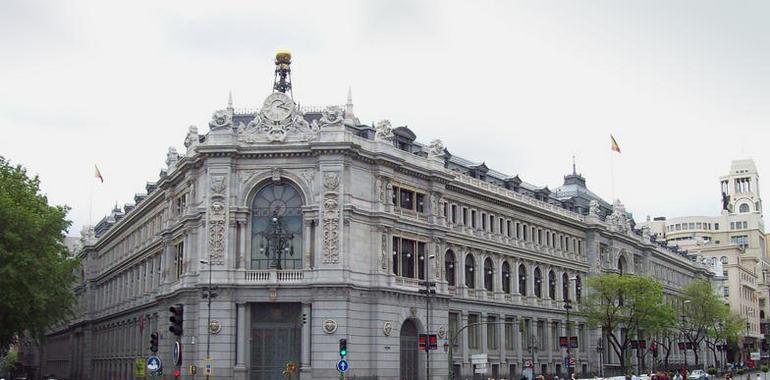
pixel 706 318
pixel 36 275
pixel 626 307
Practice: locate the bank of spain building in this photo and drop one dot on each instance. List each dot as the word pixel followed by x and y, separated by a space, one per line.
pixel 310 227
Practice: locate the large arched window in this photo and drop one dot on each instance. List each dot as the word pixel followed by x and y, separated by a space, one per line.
pixel 276 227
pixel 449 267
pixel 522 280
pixel 506 278
pixel 565 287
pixel 551 285
pixel 470 269
pixel 538 283
pixel 489 271
pixel 744 207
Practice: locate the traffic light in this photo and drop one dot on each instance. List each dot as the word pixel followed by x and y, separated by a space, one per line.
pixel 176 319
pixel 432 342
pixel 154 341
pixel 343 348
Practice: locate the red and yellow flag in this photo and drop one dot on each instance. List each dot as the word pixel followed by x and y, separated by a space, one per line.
pixel 98 174
pixel 614 144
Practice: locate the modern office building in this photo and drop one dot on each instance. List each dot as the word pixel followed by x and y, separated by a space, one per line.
pixel 314 227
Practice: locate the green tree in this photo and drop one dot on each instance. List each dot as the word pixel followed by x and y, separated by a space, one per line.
pixel 626 307
pixel 36 275
pixel 702 314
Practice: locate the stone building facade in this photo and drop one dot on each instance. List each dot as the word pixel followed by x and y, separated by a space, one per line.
pixel 366 213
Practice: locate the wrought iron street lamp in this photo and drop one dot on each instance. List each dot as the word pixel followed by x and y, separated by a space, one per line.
pixel 279 241
pixel 208 294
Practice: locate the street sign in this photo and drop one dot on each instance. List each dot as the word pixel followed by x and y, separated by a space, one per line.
pixel 141 366
pixel 343 365
pixel 207 369
pixel 573 342
pixel 563 341
pixel 154 364
pixel 177 352
pixel 755 356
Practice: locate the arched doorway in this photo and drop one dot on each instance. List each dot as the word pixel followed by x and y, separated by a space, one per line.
pixel 408 347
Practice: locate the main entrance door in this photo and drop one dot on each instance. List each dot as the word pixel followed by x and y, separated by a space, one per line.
pixel 409 351
pixel 275 338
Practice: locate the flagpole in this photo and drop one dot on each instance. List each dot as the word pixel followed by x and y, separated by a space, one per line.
pixel 612 175
pixel 91 203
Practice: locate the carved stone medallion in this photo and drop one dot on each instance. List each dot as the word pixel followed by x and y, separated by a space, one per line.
pixel 387 328
pixel 215 326
pixel 442 332
pixel 330 326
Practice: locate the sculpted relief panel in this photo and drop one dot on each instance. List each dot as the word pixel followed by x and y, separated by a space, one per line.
pixel 216 220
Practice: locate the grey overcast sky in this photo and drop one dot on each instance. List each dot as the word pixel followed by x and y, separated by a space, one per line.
pixel 523 85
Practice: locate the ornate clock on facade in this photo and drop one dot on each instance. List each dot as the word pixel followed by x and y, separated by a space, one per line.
pixel 277 107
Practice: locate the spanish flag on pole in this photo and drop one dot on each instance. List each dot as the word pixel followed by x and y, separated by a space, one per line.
pixel 98 174
pixel 614 144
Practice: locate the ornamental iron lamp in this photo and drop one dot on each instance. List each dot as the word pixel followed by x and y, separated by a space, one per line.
pixel 279 241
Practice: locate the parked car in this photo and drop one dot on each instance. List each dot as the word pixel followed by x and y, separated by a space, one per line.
pixel 698 374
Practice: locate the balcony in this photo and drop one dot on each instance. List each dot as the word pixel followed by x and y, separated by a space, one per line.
pixel 273 276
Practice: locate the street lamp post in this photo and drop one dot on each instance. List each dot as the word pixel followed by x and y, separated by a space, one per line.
pixel 428 291
pixel 684 334
pixel 209 295
pixel 568 307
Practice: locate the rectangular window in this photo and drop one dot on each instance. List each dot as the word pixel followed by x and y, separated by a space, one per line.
pixel 745 225
pixel 716 226
pixel 473 331
pixel 483 221
pixel 473 218
pixel 453 326
pixel 509 331
pixel 179 259
pixel 508 228
pixel 406 199
pixel 726 291
pixel 741 240
pixel 698 226
pixel 420 206
pixel 454 214
pixel 541 334
pixel 582 338
pixel 539 237
pixel 502 230
pixel 580 247
pixel 491 333
pixel 732 225
pixel 465 216
pixel 692 226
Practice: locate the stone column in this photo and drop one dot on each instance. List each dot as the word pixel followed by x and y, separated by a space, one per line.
pixel 242 339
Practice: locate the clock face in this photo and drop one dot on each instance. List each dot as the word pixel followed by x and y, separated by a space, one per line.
pixel 277 107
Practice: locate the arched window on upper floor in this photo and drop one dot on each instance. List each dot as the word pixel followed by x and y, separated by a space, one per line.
pixel 276 227
pixel 552 285
pixel 723 260
pixel 449 267
pixel 489 270
pixel 470 269
pixel 565 287
pixel 522 280
pixel 506 273
pixel 538 283
pixel 744 207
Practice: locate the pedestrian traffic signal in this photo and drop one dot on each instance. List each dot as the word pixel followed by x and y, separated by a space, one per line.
pixel 176 319
pixel 343 348
pixel 154 341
